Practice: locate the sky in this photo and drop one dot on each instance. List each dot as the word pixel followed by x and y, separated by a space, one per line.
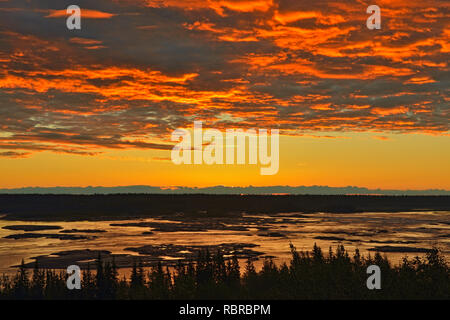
pixel 97 106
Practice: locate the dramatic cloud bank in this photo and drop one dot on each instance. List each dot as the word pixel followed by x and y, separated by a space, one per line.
pixel 138 69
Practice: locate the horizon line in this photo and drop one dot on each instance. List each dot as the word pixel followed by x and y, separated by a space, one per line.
pixel 221 189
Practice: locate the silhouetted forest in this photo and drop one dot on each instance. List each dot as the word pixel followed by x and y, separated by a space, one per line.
pixel 117 206
pixel 309 275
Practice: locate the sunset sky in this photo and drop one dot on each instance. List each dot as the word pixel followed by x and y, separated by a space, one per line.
pixel 97 106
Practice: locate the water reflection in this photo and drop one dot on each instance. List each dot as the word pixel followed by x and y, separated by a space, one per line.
pixel 406 231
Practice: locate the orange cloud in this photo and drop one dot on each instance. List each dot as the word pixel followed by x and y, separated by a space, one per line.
pixel 292 16
pixel 217 5
pixel 85 13
pixel 291 64
pixel 384 138
pixel 84 41
pixel 389 111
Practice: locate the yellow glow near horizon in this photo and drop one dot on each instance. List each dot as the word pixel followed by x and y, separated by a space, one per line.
pixel 399 161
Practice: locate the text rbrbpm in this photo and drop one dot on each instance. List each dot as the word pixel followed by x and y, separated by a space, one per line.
pixel 208 147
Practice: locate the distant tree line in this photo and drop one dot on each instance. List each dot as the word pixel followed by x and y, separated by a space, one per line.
pixel 309 275
pixel 101 207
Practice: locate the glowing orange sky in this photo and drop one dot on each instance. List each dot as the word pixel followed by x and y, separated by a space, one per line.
pixel 97 106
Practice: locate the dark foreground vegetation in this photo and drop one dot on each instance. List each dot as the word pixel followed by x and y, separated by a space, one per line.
pixel 309 275
pixel 121 206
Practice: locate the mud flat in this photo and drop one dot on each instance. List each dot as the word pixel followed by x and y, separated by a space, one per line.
pixel 32 227
pixel 330 238
pixel 399 249
pixel 149 255
pixel 187 223
pixel 83 231
pixel 241 250
pixel 32 235
pixel 271 234
pixel 185 226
